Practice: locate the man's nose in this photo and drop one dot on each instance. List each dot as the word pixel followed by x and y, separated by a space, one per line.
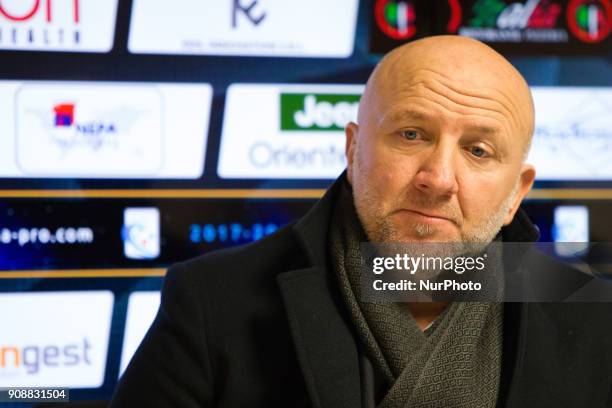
pixel 436 175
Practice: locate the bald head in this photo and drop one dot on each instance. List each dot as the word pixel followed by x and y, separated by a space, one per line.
pixel 467 68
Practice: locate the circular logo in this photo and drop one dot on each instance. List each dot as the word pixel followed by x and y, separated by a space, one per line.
pixel 396 18
pixel 589 20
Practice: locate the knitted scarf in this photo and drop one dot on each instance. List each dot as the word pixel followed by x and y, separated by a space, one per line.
pixel 456 362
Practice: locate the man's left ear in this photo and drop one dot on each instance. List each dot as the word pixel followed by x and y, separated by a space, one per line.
pixel 525 183
pixel 350 131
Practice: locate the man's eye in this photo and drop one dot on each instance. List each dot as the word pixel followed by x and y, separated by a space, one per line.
pixel 478 151
pixel 410 134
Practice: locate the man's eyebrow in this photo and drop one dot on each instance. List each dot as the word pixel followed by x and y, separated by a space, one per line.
pixel 484 129
pixel 408 114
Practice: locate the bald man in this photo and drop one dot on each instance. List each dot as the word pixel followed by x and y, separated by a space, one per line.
pixel 437 156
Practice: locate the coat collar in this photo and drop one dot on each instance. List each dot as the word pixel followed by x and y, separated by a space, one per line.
pixel 311 230
pixel 323 336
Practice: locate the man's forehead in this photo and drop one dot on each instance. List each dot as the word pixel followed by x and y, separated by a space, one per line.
pixel 472 84
pixel 424 92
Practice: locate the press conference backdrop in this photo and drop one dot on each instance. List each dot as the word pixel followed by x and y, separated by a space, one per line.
pixel 134 134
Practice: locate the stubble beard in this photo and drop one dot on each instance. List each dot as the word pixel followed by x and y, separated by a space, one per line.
pixel 379 228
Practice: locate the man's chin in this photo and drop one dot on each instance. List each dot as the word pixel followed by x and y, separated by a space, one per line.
pixel 426 233
pixel 420 237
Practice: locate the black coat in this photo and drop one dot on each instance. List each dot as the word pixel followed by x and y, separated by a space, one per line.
pixel 263 325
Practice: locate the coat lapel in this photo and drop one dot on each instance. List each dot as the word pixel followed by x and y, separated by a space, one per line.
pixel 323 341
pixel 515 315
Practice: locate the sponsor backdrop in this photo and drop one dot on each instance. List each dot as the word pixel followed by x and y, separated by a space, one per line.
pixel 138 133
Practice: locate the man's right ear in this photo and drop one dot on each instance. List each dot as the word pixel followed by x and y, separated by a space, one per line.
pixel 350 131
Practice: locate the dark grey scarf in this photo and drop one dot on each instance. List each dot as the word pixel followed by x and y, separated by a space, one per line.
pixel 455 363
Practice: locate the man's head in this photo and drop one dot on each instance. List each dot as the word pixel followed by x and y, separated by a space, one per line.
pixel 444 127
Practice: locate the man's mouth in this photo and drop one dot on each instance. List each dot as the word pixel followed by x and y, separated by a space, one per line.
pixel 428 216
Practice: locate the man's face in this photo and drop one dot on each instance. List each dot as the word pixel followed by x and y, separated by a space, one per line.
pixel 436 161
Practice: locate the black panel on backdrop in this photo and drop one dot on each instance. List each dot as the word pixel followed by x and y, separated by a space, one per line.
pixel 531 27
pixel 109 233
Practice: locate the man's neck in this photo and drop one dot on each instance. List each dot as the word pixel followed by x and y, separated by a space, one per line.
pixel 425 313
